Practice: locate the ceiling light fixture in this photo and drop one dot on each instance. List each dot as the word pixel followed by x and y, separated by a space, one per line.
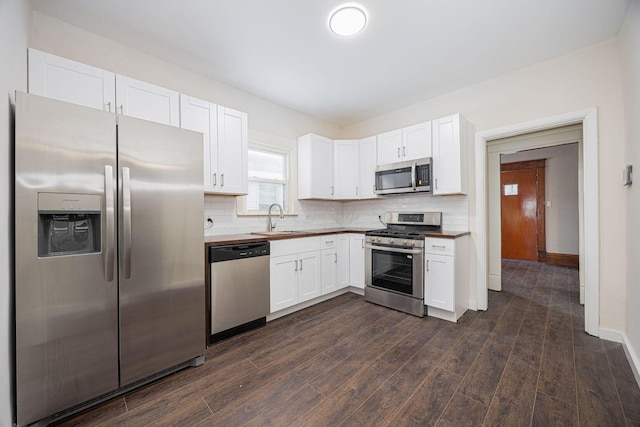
pixel 347 20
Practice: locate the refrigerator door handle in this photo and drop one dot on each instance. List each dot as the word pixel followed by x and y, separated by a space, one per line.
pixel 126 221
pixel 110 223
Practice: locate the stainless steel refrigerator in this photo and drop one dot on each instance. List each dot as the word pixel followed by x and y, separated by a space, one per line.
pixel 109 262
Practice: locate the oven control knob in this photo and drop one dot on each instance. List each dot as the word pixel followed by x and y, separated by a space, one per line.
pixel 413 243
pixel 378 239
pixel 404 243
pixel 391 241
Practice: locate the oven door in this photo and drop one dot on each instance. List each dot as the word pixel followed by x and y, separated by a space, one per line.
pixel 396 270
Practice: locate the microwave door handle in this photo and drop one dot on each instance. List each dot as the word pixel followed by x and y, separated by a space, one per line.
pixel 413 175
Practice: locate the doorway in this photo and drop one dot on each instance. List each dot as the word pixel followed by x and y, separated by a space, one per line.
pixel 487 242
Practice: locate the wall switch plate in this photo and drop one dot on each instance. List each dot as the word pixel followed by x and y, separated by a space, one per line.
pixel 548 203
pixel 627 175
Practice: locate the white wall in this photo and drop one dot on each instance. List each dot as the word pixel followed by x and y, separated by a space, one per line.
pixel 14 34
pixel 582 79
pixel 630 52
pixel 561 189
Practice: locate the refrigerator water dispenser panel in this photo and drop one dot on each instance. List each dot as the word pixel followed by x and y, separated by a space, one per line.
pixel 68 224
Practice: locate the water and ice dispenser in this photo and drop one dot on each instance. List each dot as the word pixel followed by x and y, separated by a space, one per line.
pixel 68 224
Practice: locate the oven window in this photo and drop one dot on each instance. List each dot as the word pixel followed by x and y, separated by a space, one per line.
pixel 393 271
pixel 394 179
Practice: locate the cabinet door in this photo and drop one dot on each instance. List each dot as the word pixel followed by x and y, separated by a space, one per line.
pixel 329 270
pixel 368 163
pixel 416 141
pixel 447 177
pixel 309 276
pixel 200 116
pixel 356 260
pixel 439 282
pixel 146 101
pixel 322 168
pixel 71 81
pixel 233 142
pixel 343 261
pixel 284 281
pixel 346 169
pixel 390 147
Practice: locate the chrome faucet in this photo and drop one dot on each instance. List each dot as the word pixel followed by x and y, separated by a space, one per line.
pixel 272 225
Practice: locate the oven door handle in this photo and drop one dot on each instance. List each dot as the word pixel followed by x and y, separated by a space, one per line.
pixel 416 251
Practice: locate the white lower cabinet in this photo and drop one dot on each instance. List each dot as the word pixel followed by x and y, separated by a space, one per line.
pixel 446 294
pixel 356 260
pixel 295 271
pixel 343 261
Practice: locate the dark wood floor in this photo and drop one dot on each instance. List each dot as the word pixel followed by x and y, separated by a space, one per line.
pixel 525 361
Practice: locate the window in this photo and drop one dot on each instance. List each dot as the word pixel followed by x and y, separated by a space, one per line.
pixel 268 180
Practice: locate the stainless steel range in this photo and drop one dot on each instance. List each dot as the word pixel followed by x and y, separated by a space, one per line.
pixel 394 261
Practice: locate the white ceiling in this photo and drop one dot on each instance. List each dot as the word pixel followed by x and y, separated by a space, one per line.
pixel 411 50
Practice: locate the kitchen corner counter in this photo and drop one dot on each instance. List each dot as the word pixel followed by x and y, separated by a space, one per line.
pixel 234 239
pixel 446 234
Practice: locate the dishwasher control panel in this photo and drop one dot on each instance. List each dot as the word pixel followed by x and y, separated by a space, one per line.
pixel 232 252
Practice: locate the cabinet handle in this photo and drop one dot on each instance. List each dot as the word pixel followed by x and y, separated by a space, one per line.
pixel 398 152
pixel 362 243
pixel 121 109
pixel 221 180
pixel 332 190
pixel 427 265
pixel 436 183
pixel 356 190
pixel 335 258
pixel 438 246
pixel 215 179
pixel 373 188
pixel 328 242
pixel 300 265
pixel 404 151
pixel 296 269
pixel 109 106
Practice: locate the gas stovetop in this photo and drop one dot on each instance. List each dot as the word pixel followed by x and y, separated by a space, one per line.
pixel 405 226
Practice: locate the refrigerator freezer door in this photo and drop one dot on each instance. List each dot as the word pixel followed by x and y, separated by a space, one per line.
pixel 162 294
pixel 65 301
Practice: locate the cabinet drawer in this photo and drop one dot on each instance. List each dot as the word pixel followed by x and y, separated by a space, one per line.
pixel 295 245
pixel 439 246
pixel 328 242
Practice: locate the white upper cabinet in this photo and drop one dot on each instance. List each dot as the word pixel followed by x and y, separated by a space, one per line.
pixel 146 101
pixel 347 174
pixel 416 141
pixel 201 116
pixel 450 155
pixel 233 146
pixel 315 167
pixel 390 147
pixel 410 143
pixel 71 81
pixel 368 163
pixel 66 80
pixel 224 145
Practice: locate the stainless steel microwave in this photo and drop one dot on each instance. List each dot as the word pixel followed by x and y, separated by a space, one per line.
pixel 405 177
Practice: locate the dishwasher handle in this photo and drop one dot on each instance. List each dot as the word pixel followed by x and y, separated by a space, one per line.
pixel 239 251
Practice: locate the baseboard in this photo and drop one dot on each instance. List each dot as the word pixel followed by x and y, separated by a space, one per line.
pixel 563 259
pixel 610 335
pixel 632 357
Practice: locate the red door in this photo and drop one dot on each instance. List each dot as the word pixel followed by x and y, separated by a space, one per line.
pixel 519 214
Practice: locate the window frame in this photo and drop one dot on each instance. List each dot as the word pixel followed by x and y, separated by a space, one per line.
pixel 289 193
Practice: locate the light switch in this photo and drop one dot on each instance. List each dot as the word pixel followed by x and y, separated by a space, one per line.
pixel 548 203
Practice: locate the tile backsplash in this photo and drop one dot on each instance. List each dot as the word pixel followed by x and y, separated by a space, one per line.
pixel 328 214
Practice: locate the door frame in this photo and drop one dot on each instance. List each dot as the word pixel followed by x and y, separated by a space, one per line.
pixel 539 166
pixel 589 225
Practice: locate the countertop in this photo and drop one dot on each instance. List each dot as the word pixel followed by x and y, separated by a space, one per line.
pixel 233 239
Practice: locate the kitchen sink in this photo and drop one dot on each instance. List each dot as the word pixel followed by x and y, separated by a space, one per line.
pixel 277 233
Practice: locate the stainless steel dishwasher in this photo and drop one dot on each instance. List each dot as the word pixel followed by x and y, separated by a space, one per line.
pixel 239 288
